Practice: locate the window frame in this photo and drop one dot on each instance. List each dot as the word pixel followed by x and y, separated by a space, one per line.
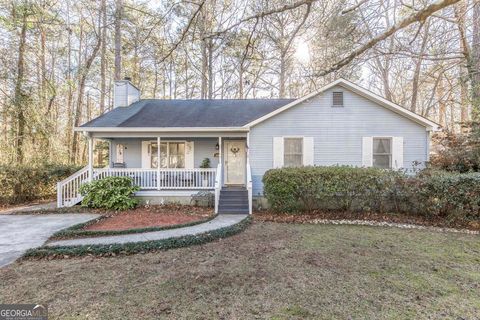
pixel 168 142
pixel 333 99
pixel 390 154
pixel 302 149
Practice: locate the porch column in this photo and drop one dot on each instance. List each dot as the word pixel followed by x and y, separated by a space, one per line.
pixel 220 160
pixel 158 163
pixel 90 158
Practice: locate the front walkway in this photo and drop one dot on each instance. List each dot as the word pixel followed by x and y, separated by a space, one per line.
pixel 221 221
pixel 18 233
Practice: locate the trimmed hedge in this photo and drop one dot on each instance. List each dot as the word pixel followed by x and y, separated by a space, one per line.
pixel 27 183
pixel 139 247
pixel 370 189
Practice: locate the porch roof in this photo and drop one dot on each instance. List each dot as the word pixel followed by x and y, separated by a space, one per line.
pixel 154 113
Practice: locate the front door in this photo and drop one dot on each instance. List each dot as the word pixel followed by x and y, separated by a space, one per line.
pixel 234 153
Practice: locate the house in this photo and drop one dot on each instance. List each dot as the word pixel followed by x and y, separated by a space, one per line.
pixel 161 144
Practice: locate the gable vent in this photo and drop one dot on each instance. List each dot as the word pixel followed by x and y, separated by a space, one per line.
pixel 337 99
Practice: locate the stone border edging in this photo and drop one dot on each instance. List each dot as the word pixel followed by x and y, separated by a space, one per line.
pixel 390 224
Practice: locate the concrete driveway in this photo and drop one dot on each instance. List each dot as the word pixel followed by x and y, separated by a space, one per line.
pixel 18 233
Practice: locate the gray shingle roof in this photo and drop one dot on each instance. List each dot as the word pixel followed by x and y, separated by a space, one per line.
pixel 154 113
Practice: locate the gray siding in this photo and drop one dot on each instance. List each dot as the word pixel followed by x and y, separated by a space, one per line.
pixel 337 132
pixel 203 148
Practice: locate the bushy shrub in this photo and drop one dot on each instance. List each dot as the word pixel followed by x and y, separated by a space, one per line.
pixel 457 152
pixel 445 194
pixel 115 193
pixel 31 182
pixel 429 193
pixel 337 187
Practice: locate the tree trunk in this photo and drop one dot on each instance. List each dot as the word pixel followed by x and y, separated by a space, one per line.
pixel 118 39
pixel 416 74
pixel 203 88
pixel 442 109
pixel 281 90
pixel 18 99
pixel 81 89
pixel 474 63
pixel 210 68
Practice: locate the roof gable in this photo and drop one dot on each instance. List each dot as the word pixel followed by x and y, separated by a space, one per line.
pixel 430 125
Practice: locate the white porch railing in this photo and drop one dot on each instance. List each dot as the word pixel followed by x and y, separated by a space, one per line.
pixel 218 185
pixel 68 190
pixel 144 178
pixel 249 187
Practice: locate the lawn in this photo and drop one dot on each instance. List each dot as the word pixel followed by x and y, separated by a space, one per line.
pixel 275 271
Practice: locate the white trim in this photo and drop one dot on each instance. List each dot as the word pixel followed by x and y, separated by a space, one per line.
pixel 278 152
pixel 160 129
pixel 397 152
pixel 166 193
pixel 430 125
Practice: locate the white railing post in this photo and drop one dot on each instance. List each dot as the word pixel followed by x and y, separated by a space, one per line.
pixel 90 158
pixel 249 188
pixel 249 176
pixel 218 185
pixel 59 195
pixel 158 162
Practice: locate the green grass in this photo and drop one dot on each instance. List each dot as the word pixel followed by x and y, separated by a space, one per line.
pixel 269 271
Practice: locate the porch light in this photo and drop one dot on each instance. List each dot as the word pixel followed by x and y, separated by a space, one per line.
pixel 217 146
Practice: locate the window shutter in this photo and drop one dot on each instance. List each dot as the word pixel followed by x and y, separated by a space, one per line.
pixel 146 155
pixel 189 155
pixel 277 152
pixel 308 151
pixel 397 152
pixel 367 151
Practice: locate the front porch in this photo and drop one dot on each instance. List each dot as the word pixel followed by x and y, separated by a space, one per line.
pixel 167 167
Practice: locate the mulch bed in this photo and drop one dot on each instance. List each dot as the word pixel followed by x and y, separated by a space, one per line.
pixel 379 217
pixel 150 216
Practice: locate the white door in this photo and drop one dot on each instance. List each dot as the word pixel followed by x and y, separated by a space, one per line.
pixel 234 153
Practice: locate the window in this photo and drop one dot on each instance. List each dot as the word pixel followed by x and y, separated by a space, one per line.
pixel 382 153
pixel 293 152
pixel 337 99
pixel 172 155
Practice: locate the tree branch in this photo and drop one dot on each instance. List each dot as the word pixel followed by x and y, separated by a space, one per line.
pixel 419 16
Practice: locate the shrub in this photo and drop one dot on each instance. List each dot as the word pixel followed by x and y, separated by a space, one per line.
pixel 457 151
pixel 337 187
pixel 429 193
pixel 27 183
pixel 115 193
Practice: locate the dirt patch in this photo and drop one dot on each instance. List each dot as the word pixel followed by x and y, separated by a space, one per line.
pixel 150 216
pixel 268 216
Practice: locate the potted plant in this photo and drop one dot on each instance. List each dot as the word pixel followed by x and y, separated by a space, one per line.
pixel 205 165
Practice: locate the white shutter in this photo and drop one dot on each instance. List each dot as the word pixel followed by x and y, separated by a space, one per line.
pixel 308 151
pixel 146 163
pixel 278 152
pixel 189 155
pixel 367 151
pixel 397 152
